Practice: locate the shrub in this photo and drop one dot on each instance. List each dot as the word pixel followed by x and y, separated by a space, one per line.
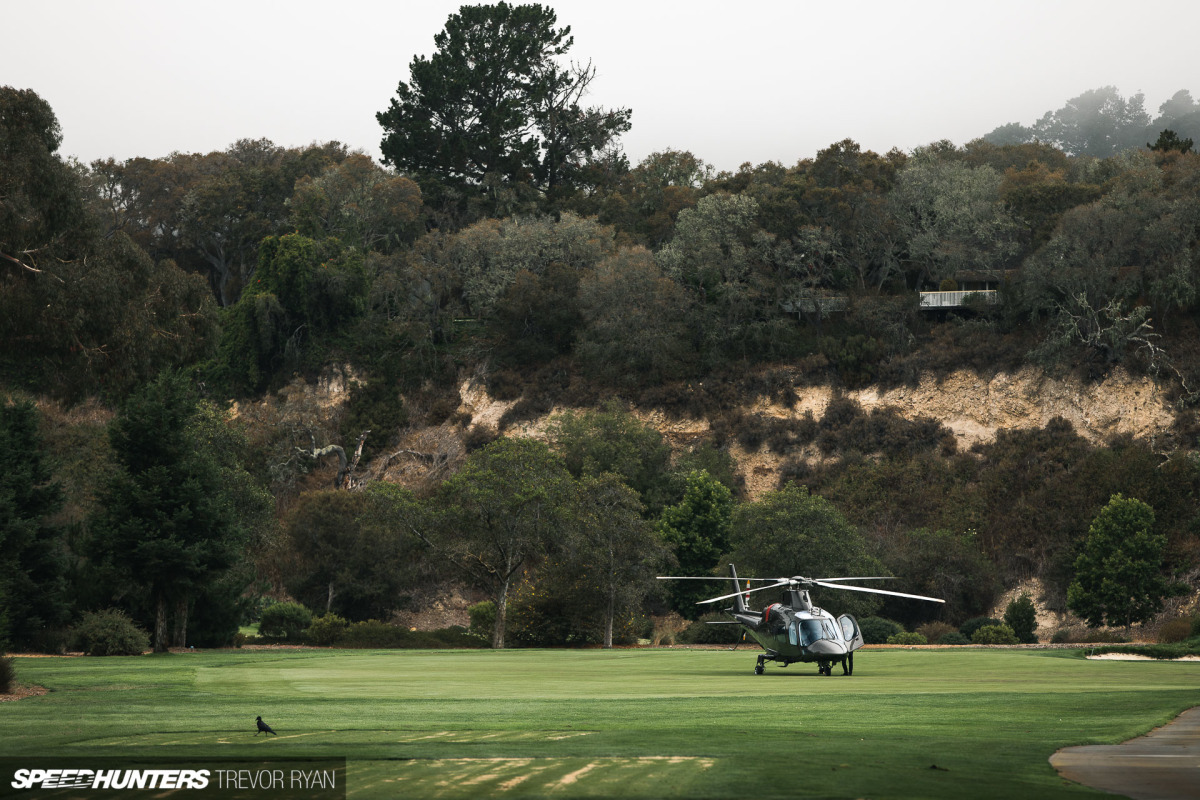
pixel 372 633
pixel 483 619
pixel 994 634
pixel 325 630
pixel 969 627
pixel 876 630
pixel 1062 636
pixel 8 674
pixel 1021 616
pixel 906 638
pixel 284 621
pixel 700 632
pixel 953 637
pixel 934 631
pixel 1176 630
pixel 111 633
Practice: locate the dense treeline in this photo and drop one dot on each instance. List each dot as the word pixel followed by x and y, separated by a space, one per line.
pixel 520 243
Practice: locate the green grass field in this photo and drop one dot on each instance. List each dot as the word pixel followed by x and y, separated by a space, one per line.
pixel 625 723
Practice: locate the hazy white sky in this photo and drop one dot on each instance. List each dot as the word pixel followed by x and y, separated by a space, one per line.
pixel 730 81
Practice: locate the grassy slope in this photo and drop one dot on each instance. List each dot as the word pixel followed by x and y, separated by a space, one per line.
pixel 623 723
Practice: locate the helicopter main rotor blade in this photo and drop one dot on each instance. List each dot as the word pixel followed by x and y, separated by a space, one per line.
pixel 711 578
pixel 743 591
pixel 876 578
pixel 878 591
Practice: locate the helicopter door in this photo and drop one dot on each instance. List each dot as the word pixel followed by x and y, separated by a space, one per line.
pixel 850 631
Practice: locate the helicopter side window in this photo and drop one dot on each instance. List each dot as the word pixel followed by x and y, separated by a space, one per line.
pixel 792 632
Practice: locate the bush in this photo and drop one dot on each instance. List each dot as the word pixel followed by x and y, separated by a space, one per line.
pixel 483 619
pixel 969 627
pixel 1176 630
pixel 111 633
pixel 8 674
pixel 876 630
pixel 934 631
pixel 284 621
pixel 953 637
pixel 994 634
pixel 700 632
pixel 1062 636
pixel 372 633
pixel 906 638
pixel 1021 616
pixel 326 630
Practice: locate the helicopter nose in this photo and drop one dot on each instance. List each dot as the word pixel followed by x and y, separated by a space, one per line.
pixel 824 647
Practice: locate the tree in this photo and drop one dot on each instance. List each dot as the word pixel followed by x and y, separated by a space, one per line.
pixel 1168 140
pixel 697 529
pixel 359 203
pixel 347 556
pixel 491 114
pixel 951 216
pixel 611 440
pixel 791 532
pixel 501 514
pixel 32 550
pixel 634 322
pixel 1118 574
pixel 1099 122
pixel 1021 616
pixel 170 520
pixel 79 309
pixel 616 547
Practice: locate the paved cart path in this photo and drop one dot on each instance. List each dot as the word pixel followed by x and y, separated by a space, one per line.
pixel 1162 765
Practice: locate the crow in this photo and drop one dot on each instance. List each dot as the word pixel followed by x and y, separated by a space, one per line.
pixel 264 727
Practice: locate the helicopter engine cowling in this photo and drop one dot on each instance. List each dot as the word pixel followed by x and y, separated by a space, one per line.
pixel 774 619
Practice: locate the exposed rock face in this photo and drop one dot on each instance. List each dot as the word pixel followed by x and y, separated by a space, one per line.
pixel 973 407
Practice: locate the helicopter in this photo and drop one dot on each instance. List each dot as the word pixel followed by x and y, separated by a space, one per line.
pixel 795 630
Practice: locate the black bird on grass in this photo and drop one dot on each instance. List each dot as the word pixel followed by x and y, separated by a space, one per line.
pixel 264 727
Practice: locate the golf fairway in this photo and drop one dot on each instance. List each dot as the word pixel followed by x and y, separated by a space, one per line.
pixel 624 723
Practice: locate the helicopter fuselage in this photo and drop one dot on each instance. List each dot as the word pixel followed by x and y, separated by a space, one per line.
pixel 797 631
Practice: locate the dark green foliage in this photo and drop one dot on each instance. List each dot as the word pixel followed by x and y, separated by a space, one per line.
pixel 876 630
pixel 905 637
pixel 32 551
pixel 178 509
pixel 1168 140
pixel 376 406
pixel 611 439
pixel 373 633
pixel 1118 576
pixel 953 637
pixel 8 674
pixel 792 532
pixel 943 565
pixel 491 115
pixel 325 630
pixel 994 634
pixel 284 621
pixel 110 633
pixel 502 513
pixel 845 428
pixel 483 618
pixel 1021 616
pixel 969 627
pixel 697 530
pixel 701 632
pixel 349 550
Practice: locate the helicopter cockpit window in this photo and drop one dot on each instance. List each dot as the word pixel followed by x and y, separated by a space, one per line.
pixel 812 630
